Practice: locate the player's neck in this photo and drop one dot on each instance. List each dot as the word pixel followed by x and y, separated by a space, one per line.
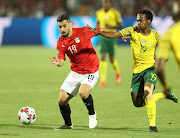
pixel 106 10
pixel 146 31
pixel 70 33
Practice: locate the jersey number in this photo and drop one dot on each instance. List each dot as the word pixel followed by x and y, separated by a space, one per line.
pixel 90 77
pixel 72 49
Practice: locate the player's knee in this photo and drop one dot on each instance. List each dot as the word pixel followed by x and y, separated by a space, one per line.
pixel 83 95
pixel 61 101
pixel 138 104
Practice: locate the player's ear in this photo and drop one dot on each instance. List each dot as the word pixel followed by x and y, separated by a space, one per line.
pixel 70 24
pixel 149 21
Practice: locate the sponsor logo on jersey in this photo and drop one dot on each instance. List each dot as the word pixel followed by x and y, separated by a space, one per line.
pixel 77 40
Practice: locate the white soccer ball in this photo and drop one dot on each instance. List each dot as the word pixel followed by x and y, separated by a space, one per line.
pixel 27 115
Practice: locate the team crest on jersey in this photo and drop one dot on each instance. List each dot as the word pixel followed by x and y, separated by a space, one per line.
pixel 77 40
pixel 150 44
pixel 143 41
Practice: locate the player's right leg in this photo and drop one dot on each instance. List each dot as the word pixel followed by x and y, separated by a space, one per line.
pixel 103 70
pixel 65 110
pixel 69 89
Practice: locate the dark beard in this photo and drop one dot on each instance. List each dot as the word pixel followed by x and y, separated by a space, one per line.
pixel 65 35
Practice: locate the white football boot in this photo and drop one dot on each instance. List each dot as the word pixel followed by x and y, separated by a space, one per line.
pixel 92 121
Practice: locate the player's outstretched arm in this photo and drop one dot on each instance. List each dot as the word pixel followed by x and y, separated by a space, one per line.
pixel 106 32
pixel 57 62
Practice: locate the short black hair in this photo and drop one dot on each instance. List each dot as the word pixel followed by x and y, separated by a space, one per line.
pixel 63 17
pixel 148 14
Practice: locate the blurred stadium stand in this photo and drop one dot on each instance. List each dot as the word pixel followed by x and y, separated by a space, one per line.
pixel 34 21
pixel 41 8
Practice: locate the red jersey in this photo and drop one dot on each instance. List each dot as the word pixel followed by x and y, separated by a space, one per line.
pixel 80 50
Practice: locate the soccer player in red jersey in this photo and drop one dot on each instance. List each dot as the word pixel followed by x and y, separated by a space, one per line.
pixel 76 44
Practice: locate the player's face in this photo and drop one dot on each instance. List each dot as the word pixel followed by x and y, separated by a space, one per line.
pixel 175 11
pixel 142 22
pixel 106 4
pixel 64 27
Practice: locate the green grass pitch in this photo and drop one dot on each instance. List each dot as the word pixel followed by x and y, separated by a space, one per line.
pixel 27 78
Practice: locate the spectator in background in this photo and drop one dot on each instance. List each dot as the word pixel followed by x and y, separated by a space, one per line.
pixel 24 8
pixel 108 17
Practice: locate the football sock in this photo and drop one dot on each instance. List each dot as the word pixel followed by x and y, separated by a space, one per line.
pixel 103 70
pixel 151 111
pixel 159 96
pixel 116 67
pixel 66 111
pixel 89 104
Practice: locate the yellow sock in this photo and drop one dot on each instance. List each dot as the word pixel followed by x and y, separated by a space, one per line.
pixel 103 70
pixel 116 66
pixel 159 96
pixel 151 111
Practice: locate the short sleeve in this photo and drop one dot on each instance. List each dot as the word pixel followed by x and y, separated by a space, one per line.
pixel 157 35
pixel 118 17
pixel 90 34
pixel 127 31
pixel 61 50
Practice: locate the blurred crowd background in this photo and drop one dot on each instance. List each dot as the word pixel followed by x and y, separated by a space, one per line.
pixel 41 8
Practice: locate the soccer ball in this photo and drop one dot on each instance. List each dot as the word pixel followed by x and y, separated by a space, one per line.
pixel 27 115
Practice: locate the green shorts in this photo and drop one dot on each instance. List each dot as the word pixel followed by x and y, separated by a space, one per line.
pixel 107 45
pixel 138 80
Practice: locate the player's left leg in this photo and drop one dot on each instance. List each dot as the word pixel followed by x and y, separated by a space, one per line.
pixel 86 87
pixel 165 94
pixel 115 65
pixel 150 105
pixel 84 92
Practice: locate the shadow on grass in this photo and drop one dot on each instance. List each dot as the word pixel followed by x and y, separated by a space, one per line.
pixel 75 128
pixel 31 126
pixel 112 128
pixel 8 134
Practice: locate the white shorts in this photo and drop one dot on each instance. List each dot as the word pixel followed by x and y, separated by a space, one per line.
pixel 74 80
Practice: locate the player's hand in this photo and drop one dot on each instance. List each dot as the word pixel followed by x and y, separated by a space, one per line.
pixel 93 29
pixel 55 61
pixel 126 37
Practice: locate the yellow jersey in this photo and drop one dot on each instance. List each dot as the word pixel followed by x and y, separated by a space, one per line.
pixel 143 48
pixel 170 41
pixel 111 17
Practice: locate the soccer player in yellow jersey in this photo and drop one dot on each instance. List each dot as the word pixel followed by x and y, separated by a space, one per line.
pixel 169 42
pixel 108 17
pixel 143 44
